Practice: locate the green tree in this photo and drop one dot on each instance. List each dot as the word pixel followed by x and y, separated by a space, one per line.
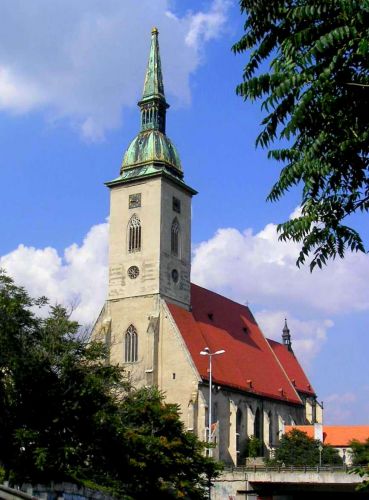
pixel 360 452
pixel 360 458
pixel 253 448
pixel 315 95
pixel 65 414
pixel 297 448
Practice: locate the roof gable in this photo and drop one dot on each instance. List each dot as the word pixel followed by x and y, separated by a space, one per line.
pixel 249 363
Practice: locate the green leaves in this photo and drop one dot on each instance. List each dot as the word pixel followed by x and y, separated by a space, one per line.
pixel 360 452
pixel 67 415
pixel 297 448
pixel 316 95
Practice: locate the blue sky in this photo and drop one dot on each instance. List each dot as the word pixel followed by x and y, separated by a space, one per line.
pixel 70 76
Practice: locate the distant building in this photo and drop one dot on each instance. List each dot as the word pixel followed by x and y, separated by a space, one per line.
pixel 338 436
pixel 156 323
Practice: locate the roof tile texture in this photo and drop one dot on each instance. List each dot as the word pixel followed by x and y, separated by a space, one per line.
pixel 249 362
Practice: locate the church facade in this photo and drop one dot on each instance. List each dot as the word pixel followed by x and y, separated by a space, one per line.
pixel 156 322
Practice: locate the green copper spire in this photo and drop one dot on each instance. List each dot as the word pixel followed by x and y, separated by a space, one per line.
pixel 153 104
pixel 152 152
pixel 153 86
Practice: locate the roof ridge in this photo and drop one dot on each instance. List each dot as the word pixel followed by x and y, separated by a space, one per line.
pixel 282 367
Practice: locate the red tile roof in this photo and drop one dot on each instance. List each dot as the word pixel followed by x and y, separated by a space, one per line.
pixel 336 435
pixel 292 367
pixel 249 362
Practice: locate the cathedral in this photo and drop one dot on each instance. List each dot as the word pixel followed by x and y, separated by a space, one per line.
pixel 168 332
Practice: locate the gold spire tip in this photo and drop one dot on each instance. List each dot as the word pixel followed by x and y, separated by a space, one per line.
pixel 155 31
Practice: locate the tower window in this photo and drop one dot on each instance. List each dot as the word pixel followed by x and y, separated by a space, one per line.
pixel 134 234
pixel 176 205
pixel 175 238
pixel 130 345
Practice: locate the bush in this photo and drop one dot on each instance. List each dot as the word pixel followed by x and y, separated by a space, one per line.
pixel 253 447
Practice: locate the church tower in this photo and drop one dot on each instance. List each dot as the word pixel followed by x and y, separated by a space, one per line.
pixel 156 326
pixel 150 214
pixel 149 239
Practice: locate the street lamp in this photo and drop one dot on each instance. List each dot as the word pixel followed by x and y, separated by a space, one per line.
pixel 320 455
pixel 206 352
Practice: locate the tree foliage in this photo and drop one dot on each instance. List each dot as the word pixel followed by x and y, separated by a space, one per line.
pixel 360 458
pixel 360 452
pixel 297 448
pixel 67 415
pixel 253 447
pixel 315 95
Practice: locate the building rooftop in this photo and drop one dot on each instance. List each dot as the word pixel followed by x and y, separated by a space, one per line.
pixel 335 435
pixel 249 363
pixel 292 367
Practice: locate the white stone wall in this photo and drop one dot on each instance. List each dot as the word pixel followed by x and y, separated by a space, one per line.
pixel 154 261
pixel 228 402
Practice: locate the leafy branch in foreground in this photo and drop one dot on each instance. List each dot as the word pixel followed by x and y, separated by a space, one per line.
pixel 315 95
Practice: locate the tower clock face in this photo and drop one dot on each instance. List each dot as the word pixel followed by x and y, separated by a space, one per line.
pixel 133 272
pixel 134 200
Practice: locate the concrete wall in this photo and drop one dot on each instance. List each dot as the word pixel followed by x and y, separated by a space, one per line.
pixel 239 484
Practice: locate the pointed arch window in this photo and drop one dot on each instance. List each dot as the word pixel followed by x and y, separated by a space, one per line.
pixel 131 345
pixel 176 238
pixel 271 434
pixel 134 234
pixel 257 424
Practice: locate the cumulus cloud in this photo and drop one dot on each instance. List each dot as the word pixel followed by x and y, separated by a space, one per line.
pixel 84 61
pixel 204 26
pixel 258 269
pixel 247 267
pixel 261 270
pixel 308 336
pixel 78 278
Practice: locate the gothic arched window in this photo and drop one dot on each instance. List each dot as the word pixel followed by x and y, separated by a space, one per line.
pixel 134 234
pixel 257 424
pixel 175 238
pixel 130 345
pixel 238 432
pixel 271 435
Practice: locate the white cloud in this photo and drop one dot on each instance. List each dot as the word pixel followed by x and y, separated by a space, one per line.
pixel 85 60
pixel 79 277
pixel 260 269
pixel 205 26
pixel 307 336
pixel 244 266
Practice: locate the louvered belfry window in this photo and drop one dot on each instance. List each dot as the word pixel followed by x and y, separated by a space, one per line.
pixel 134 234
pixel 131 345
pixel 175 238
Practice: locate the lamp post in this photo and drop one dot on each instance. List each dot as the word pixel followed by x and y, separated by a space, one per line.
pixel 206 352
pixel 320 455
